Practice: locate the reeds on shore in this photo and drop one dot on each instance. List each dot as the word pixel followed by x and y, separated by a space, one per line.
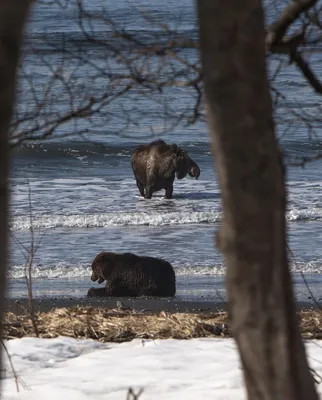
pixel 120 326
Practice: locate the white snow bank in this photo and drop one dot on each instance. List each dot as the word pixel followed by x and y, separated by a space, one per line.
pixel 65 368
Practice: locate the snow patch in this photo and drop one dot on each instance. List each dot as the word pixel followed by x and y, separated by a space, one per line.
pixel 166 369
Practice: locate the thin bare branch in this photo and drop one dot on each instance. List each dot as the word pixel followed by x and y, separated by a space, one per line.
pixel 306 71
pixel 131 67
pixel 131 395
pixel 28 267
pixel 291 13
pixel 11 365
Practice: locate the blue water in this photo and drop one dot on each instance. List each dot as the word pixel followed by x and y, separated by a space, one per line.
pixel 83 195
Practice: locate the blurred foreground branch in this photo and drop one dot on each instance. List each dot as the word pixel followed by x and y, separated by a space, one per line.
pixel 12 18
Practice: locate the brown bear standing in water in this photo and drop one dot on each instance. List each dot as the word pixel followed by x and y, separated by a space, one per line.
pixel 129 275
pixel 156 165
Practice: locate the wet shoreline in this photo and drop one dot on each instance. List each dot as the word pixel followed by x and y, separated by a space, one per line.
pixel 173 305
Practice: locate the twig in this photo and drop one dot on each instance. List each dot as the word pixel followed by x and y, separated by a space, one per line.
pixel 146 67
pixel 28 268
pixel 316 376
pixel 306 71
pixel 11 364
pixel 133 396
pixel 305 281
pixel 289 15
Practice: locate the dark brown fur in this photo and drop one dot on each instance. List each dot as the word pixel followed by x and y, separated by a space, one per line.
pixel 156 165
pixel 130 275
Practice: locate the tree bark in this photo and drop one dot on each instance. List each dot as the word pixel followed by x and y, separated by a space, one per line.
pixel 252 237
pixel 12 17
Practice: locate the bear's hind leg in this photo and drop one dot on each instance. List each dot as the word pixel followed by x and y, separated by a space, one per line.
pixel 169 192
pixel 140 187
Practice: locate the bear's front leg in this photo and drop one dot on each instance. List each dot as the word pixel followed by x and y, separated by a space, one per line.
pixel 97 292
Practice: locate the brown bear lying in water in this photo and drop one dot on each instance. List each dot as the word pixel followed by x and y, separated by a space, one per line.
pixel 129 275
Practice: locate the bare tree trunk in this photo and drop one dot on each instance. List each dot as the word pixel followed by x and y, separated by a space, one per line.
pixel 253 233
pixel 12 17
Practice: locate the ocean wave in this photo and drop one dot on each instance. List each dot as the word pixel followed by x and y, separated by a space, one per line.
pixel 66 271
pixel 115 219
pixel 94 149
pixel 140 219
pixel 310 214
pixel 59 271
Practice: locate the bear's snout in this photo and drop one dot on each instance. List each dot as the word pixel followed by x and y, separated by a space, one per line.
pixel 94 277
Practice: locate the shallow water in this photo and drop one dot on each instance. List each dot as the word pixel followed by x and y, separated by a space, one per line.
pixel 84 197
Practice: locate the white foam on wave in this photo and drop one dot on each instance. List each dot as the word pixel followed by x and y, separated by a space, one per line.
pixel 115 219
pixel 310 214
pixel 65 271
pixel 61 270
pixel 47 221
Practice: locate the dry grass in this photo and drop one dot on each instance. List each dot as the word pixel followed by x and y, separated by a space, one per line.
pixel 115 326
pixel 311 324
pixel 121 326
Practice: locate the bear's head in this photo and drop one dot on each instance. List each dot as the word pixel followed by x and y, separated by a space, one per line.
pixel 101 266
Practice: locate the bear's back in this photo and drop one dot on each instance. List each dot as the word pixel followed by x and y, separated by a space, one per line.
pixel 145 275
